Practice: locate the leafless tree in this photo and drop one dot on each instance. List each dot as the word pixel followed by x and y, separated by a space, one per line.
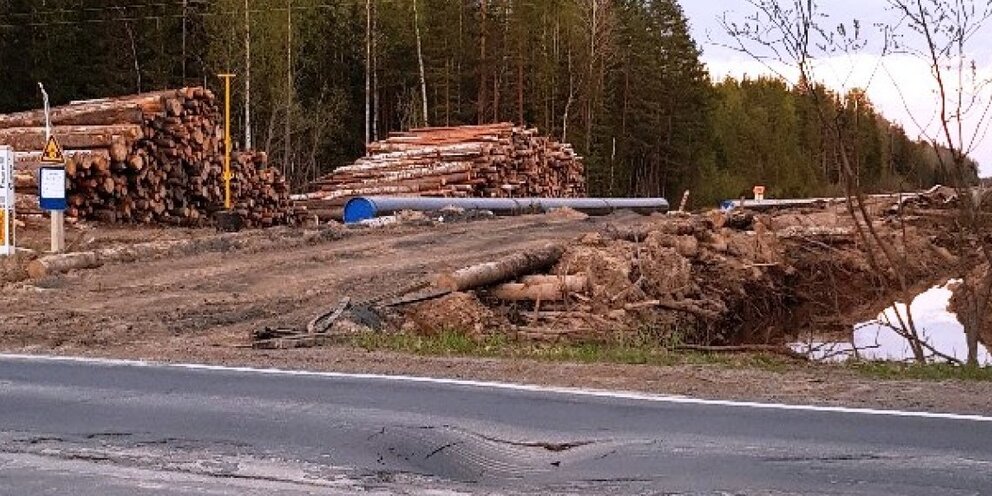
pixel 793 33
pixel 943 33
pixel 134 48
pixel 483 72
pixel 368 70
pixel 375 71
pixel 420 63
pixel 248 142
pixel 288 137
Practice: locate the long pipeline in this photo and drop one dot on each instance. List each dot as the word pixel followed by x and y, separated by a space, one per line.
pixel 369 207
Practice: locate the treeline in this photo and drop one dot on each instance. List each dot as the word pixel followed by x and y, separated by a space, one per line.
pixel 765 132
pixel 620 79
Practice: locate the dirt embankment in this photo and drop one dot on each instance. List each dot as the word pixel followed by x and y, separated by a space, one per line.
pixel 701 280
pixel 972 301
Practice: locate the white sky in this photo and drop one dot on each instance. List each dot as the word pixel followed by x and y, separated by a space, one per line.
pixel 901 86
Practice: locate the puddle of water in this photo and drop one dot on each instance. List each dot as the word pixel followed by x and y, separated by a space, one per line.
pixel 879 340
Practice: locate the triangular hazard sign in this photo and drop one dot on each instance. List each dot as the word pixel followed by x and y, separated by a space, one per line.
pixel 53 152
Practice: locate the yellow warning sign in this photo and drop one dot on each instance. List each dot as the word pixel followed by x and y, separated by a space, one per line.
pixel 53 152
pixel 3 230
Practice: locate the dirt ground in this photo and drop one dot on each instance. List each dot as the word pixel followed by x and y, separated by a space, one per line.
pixel 215 297
pixel 79 236
pixel 201 308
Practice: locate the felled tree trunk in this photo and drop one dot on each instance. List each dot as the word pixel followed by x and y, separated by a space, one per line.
pixel 541 288
pixel 70 137
pixel 61 263
pixel 106 111
pixel 504 269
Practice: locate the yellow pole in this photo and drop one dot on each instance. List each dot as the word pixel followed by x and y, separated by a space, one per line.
pixel 227 139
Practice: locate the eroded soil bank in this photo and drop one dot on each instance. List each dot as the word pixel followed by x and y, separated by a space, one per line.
pixel 705 280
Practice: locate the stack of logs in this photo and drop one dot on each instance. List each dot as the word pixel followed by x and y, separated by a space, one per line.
pixel 153 157
pixel 491 161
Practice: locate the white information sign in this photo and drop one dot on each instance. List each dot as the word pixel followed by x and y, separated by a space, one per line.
pixel 6 201
pixel 53 183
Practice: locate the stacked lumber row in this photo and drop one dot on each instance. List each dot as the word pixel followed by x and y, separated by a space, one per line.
pixel 260 193
pixel 493 161
pixel 154 157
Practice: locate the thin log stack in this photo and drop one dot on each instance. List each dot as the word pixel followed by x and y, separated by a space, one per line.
pixel 491 161
pixel 154 157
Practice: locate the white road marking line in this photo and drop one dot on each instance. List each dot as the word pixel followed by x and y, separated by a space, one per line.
pixel 592 393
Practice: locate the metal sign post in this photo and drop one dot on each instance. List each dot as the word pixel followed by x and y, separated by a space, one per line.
pixel 7 201
pixel 51 181
pixel 227 219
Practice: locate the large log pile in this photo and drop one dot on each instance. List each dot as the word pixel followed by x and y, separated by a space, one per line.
pixel 153 157
pixel 493 161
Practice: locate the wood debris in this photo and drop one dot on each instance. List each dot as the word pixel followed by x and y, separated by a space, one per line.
pixel 317 333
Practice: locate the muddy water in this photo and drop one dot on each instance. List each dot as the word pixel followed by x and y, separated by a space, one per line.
pixel 881 340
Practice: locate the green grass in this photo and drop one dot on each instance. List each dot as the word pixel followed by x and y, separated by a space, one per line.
pixel 629 352
pixel 643 351
pixel 929 372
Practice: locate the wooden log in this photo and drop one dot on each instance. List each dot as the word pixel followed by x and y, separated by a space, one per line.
pixel 107 111
pixel 684 306
pixel 752 348
pixel 66 262
pixel 503 269
pixel 70 137
pixel 829 235
pixel 31 161
pixel 541 288
pixel 25 182
pixel 57 264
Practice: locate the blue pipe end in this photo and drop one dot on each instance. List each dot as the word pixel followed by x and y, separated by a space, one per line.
pixel 358 209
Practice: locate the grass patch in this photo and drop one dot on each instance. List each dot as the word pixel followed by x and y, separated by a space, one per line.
pixel 628 352
pixel 444 343
pixel 929 372
pixel 642 351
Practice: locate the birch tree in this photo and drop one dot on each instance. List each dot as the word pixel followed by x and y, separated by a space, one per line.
pixel 420 63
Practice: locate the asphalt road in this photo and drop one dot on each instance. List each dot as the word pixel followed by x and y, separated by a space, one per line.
pixel 70 427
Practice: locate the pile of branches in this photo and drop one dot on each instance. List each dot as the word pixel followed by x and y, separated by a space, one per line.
pixel 148 158
pixel 695 281
pixel 491 161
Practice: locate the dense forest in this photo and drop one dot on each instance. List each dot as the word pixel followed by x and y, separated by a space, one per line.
pixel 620 79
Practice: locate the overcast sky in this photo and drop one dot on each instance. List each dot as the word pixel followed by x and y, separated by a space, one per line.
pixel 899 85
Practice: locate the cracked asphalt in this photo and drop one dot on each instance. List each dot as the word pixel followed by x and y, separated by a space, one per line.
pixel 98 429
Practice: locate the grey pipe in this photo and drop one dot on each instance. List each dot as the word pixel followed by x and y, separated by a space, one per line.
pixel 369 207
